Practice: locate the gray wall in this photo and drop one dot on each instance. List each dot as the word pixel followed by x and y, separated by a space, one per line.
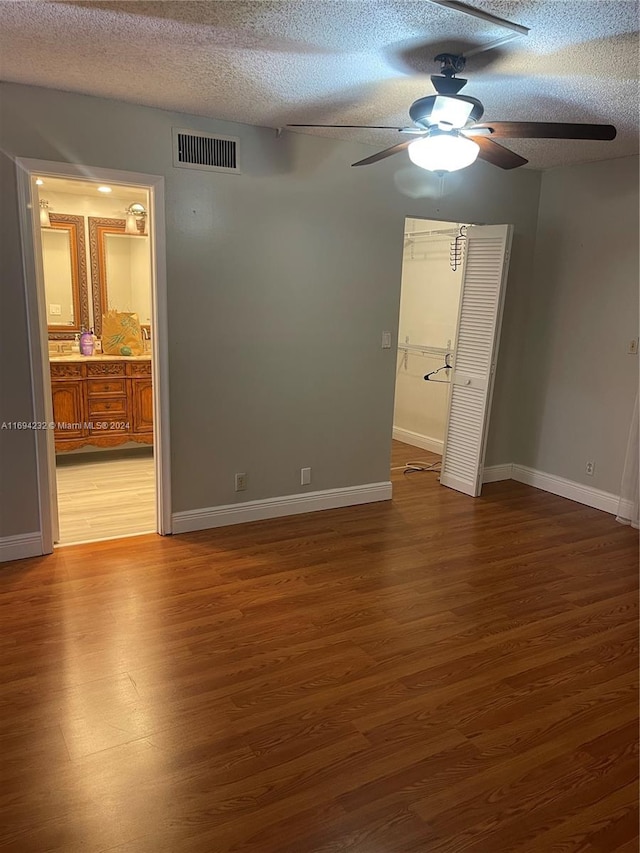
pixel 280 281
pixel 578 382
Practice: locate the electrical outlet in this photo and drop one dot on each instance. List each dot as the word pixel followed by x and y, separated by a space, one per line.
pixel 633 347
pixel 590 467
pixel 386 340
pixel 305 476
pixel 241 482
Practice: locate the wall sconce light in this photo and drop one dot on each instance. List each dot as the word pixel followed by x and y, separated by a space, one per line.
pixel 136 219
pixel 45 222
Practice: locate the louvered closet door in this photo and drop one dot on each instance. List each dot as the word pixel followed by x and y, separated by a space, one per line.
pixel 483 286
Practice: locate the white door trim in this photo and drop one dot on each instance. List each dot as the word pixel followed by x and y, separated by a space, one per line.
pixel 27 170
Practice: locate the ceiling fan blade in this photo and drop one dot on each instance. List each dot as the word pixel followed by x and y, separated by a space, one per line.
pixel 354 126
pixel 547 130
pixel 498 155
pixel 382 155
pixel 475 131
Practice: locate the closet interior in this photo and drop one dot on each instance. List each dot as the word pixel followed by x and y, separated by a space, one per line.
pixel 429 306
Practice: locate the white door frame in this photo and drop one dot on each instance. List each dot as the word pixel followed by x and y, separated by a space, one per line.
pixel 27 170
pixel 428 445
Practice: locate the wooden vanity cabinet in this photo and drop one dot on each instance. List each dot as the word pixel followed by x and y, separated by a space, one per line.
pixel 105 402
pixel 68 408
pixel 142 405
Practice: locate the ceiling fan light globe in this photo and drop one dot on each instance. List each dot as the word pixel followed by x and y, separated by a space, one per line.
pixel 443 152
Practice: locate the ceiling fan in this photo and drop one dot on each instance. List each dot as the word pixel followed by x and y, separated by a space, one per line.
pixel 447 136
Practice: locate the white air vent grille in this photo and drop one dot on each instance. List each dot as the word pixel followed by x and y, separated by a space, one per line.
pixel 194 150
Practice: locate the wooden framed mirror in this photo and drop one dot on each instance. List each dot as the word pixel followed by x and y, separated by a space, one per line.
pixel 64 264
pixel 120 270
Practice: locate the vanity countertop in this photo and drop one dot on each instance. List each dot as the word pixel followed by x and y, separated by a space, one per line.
pixel 74 356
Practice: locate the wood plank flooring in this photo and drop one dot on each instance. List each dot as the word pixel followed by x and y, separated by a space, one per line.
pixel 103 495
pixel 434 674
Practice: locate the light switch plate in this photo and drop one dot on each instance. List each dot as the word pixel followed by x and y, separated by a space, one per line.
pixel 386 340
pixel 55 309
pixel 633 347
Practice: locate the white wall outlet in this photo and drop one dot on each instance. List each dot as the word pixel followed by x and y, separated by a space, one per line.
pixel 590 468
pixel 305 476
pixel 386 340
pixel 55 309
pixel 241 482
pixel 633 347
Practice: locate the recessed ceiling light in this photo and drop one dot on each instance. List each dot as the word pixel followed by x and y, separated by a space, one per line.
pixel 39 182
pixel 104 189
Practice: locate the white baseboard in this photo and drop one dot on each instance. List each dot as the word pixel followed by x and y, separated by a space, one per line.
pixel 21 546
pixel 588 495
pixel 418 440
pixel 221 516
pixel 495 473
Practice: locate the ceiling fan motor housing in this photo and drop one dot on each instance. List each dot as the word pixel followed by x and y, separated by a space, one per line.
pixel 446 111
pixel 447 85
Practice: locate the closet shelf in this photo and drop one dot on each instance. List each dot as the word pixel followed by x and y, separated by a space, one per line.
pixel 443 233
pixel 425 350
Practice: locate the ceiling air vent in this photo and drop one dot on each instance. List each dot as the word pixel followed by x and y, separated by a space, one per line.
pixel 195 150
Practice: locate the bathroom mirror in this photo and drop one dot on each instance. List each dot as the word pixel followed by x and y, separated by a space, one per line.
pixel 64 265
pixel 120 270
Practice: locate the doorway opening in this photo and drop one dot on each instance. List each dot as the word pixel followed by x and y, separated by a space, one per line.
pixel 93 245
pixel 452 296
pixel 429 307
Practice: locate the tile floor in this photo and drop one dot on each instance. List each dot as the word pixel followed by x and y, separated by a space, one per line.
pixel 103 495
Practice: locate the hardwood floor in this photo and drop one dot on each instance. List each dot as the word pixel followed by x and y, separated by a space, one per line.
pixel 434 674
pixel 103 495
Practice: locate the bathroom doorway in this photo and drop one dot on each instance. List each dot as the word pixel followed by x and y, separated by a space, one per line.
pixel 97 300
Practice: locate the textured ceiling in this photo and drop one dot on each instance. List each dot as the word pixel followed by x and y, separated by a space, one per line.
pixel 338 61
